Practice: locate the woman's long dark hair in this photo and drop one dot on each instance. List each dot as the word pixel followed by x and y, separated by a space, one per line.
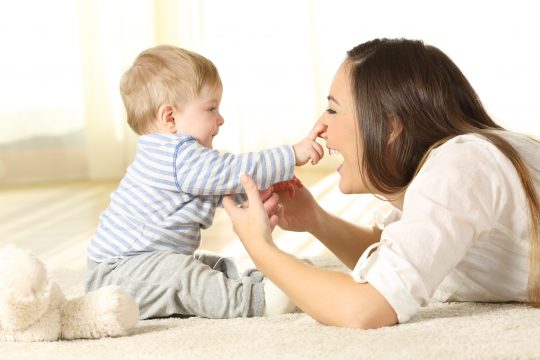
pixel 404 84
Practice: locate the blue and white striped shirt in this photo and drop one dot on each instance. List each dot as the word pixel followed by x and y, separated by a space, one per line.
pixel 171 191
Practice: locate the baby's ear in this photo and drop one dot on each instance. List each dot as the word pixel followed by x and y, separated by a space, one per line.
pixel 165 118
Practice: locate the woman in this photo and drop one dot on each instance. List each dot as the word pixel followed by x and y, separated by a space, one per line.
pixel 466 195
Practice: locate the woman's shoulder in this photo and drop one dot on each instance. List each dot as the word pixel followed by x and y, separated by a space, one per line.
pixel 463 153
pixel 466 164
pixel 466 174
pixel 471 167
pixel 475 151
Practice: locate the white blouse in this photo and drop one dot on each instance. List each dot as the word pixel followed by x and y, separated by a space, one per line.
pixel 463 234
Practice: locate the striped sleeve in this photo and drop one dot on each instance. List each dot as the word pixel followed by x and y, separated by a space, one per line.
pixel 203 171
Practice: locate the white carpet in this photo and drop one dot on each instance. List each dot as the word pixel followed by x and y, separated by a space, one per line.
pixel 439 331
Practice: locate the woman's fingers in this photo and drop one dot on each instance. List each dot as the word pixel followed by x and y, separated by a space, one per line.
pixel 229 205
pixel 265 194
pixel 288 186
pixel 261 196
pixel 290 189
pixel 297 182
pixel 280 186
pixel 274 219
pixel 271 204
pixel 250 187
pixel 268 199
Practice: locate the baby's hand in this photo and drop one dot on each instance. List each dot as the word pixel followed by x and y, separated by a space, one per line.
pixel 307 149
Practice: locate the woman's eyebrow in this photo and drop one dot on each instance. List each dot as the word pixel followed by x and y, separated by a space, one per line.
pixel 333 99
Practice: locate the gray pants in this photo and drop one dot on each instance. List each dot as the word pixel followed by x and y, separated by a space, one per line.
pixel 165 283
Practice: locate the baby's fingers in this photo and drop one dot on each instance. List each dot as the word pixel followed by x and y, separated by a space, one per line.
pixel 320 151
pixel 315 153
pixel 319 130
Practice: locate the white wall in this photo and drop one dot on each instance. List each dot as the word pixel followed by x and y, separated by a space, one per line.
pixel 277 60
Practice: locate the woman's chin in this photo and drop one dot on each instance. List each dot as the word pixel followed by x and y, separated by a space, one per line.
pixel 344 188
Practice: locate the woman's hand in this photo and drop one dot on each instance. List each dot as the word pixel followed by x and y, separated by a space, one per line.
pixel 287 186
pixel 299 211
pixel 271 204
pixel 251 221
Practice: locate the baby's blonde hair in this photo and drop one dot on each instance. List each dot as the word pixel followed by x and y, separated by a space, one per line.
pixel 163 75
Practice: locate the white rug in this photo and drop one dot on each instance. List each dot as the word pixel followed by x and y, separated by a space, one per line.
pixel 439 331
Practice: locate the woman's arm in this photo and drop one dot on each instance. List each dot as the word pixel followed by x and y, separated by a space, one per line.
pixel 329 297
pixel 346 240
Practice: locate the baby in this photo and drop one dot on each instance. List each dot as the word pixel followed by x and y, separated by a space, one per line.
pixel 147 237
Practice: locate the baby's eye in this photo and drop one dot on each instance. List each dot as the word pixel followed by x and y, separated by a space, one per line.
pixel 330 111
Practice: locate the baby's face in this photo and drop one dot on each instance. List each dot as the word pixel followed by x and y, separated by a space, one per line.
pixel 200 117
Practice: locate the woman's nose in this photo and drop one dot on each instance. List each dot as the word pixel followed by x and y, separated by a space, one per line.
pixel 322 119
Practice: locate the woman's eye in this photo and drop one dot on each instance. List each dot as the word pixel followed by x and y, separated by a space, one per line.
pixel 330 111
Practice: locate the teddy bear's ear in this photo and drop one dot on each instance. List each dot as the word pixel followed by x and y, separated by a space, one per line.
pixel 21 272
pixel 24 288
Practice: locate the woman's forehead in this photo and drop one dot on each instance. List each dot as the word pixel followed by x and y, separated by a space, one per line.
pixel 340 91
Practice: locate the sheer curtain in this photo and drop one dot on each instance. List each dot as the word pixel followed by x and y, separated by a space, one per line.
pixel 113 33
pixel 42 128
pixel 61 116
pixel 60 111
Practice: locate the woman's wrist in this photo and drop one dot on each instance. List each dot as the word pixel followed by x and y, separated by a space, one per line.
pixel 318 222
pixel 262 255
pixel 260 247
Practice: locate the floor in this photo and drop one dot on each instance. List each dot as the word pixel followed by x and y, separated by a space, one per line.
pixel 56 221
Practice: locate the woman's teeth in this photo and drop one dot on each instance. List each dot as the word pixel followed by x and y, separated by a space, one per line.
pixel 333 152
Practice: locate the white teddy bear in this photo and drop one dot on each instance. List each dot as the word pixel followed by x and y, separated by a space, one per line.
pixel 33 308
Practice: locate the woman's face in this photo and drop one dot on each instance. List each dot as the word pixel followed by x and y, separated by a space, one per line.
pixel 342 133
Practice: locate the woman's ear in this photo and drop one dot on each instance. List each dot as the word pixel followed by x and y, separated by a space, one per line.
pixel 165 119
